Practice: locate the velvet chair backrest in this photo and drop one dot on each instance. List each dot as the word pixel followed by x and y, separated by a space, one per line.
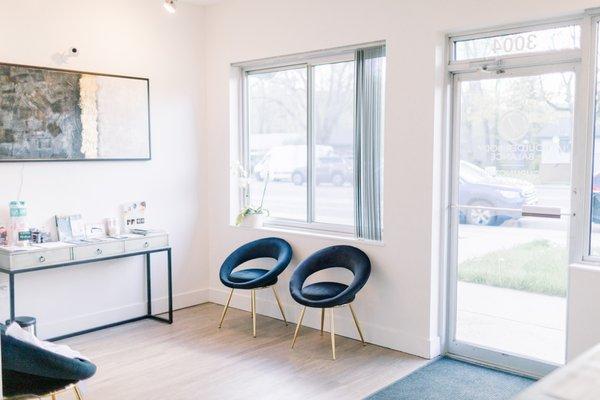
pixel 270 247
pixel 24 359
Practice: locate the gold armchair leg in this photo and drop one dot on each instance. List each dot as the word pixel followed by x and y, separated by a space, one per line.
pixel 253 312
pixel 53 396
pixel 322 319
pixel 362 339
pixel 78 394
pixel 279 304
pixel 298 326
pixel 332 334
pixel 225 309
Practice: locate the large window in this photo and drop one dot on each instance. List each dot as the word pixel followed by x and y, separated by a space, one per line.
pixel 299 136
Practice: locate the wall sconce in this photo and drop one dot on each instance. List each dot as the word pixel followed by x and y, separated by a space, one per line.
pixel 169 5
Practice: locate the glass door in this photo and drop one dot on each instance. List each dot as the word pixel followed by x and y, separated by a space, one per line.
pixel 511 183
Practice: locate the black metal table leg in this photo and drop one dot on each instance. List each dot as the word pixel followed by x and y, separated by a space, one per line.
pixel 169 319
pixel 149 284
pixel 170 279
pixel 11 287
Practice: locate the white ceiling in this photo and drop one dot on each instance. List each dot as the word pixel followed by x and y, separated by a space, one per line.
pixel 202 2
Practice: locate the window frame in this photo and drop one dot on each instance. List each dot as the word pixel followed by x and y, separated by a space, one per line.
pixel 281 64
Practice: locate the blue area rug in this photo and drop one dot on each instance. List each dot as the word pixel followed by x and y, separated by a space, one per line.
pixel 448 379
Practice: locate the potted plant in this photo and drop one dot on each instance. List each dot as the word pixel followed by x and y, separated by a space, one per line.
pixel 249 215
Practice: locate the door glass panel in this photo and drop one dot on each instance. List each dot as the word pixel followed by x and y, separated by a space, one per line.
pixel 594 248
pixel 553 39
pixel 514 157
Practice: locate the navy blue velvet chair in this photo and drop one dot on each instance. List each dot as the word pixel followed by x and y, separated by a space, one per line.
pixel 28 370
pixel 330 294
pixel 255 278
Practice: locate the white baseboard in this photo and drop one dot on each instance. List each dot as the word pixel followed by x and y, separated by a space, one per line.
pixel 104 317
pixel 344 325
pixel 374 333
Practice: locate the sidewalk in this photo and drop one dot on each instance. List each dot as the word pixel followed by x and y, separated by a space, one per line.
pixel 522 323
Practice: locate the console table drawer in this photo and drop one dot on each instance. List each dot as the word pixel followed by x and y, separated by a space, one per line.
pixel 97 250
pixel 40 258
pixel 152 242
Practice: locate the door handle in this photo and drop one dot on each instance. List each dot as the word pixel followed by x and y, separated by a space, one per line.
pixel 526 211
pixel 543 212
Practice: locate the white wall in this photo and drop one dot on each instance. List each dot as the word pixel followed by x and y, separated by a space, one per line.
pixel 187 181
pixel 137 38
pixel 399 305
pixel 583 309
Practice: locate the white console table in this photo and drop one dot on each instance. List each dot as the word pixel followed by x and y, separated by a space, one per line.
pixel 578 380
pixel 57 255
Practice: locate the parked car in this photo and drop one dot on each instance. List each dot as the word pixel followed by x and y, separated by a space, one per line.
pixel 484 192
pixel 288 163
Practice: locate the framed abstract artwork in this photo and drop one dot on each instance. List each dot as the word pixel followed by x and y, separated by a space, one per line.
pixel 51 114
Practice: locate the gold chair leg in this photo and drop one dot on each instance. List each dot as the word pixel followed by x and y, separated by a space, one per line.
pixel 332 334
pixel 225 309
pixel 298 326
pixel 253 313
pixel 322 319
pixel 362 339
pixel 78 392
pixel 53 396
pixel 279 304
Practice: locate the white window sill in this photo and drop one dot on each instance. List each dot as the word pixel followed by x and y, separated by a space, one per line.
pixel 312 233
pixel 587 265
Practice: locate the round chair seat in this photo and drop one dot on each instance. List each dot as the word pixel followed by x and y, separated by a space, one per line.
pixel 250 274
pixel 324 290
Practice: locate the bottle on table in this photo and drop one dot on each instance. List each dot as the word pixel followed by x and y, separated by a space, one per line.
pixel 18 231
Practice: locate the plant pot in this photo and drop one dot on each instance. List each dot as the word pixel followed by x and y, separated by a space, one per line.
pixel 254 220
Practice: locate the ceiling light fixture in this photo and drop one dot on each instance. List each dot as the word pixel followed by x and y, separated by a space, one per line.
pixel 169 5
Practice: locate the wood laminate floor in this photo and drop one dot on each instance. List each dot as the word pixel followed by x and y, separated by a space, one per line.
pixel 192 359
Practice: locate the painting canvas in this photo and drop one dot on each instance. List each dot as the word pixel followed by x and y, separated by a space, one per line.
pixel 50 114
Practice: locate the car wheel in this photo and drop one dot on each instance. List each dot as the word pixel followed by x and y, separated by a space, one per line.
pixel 480 216
pixel 297 178
pixel 337 179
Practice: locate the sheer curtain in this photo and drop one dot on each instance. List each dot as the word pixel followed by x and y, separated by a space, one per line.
pixel 368 127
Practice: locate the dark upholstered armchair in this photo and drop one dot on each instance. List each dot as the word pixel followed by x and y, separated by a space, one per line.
pixel 255 278
pixel 330 294
pixel 30 370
